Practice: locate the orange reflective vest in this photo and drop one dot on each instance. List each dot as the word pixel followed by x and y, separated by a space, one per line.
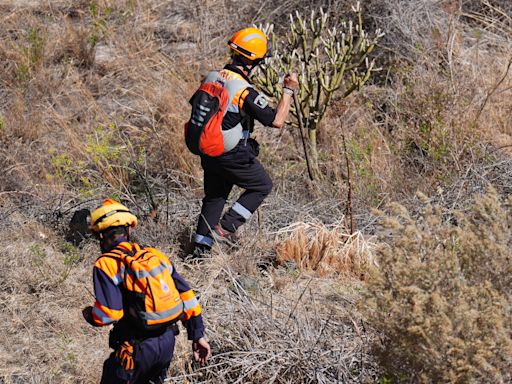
pixel 150 295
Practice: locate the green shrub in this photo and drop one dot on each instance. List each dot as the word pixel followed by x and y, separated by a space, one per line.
pixel 442 297
pixel 32 54
pixel 105 159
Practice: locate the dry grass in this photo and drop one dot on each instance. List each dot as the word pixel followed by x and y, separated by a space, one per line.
pixel 280 325
pixel 93 96
pixel 278 328
pixel 315 247
pixel 442 95
pixel 44 339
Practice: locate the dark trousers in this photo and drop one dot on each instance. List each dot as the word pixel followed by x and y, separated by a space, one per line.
pixel 237 167
pixel 152 358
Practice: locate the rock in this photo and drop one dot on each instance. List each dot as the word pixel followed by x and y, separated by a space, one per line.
pixel 79 227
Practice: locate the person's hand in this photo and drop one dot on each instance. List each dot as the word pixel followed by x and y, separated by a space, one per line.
pixel 201 350
pixel 291 81
pixel 124 355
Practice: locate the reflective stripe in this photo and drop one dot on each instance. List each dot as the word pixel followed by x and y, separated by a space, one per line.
pixel 104 318
pixel 204 240
pixel 232 137
pixel 162 315
pixel 153 272
pixel 190 303
pixel 117 279
pixel 241 210
pixel 241 49
pixel 252 36
pixel 232 108
pixel 235 87
pixel 108 214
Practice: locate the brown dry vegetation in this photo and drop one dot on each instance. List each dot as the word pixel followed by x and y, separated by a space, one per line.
pixel 442 295
pixel 93 96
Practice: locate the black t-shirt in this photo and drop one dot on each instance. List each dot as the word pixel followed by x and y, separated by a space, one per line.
pixel 255 106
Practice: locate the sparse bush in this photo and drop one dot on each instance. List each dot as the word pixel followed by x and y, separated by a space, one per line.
pixel 32 54
pixel 442 297
pixel 107 158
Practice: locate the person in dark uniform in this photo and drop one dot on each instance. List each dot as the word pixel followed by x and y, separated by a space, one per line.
pixel 143 336
pixel 239 166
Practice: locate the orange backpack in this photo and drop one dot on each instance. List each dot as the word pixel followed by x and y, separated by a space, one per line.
pixel 203 131
pixel 220 92
pixel 152 298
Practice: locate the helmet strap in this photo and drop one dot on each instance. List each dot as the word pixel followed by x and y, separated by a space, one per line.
pixel 248 69
pixel 247 65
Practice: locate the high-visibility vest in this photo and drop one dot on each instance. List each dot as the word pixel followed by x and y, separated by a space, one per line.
pixel 235 85
pixel 151 295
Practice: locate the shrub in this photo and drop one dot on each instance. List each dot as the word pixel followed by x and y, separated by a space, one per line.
pixel 306 332
pixel 442 296
pixel 107 158
pixel 332 57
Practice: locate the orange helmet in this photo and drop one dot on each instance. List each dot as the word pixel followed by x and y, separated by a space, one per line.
pixel 251 43
pixel 111 214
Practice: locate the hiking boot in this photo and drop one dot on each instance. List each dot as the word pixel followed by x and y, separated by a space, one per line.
pixel 222 235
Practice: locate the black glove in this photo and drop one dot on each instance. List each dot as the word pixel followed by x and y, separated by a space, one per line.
pixel 87 314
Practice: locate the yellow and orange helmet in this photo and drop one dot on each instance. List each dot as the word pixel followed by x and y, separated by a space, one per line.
pixel 111 214
pixel 251 43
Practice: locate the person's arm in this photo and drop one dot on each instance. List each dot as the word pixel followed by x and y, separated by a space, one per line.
pixel 193 321
pixel 108 306
pixel 290 85
pixel 256 105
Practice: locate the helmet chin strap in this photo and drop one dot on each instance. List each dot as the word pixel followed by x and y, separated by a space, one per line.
pixel 249 68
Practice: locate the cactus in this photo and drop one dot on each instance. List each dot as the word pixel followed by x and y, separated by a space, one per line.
pixel 330 56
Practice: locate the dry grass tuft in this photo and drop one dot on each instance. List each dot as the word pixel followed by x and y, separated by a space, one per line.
pixel 43 337
pixel 328 251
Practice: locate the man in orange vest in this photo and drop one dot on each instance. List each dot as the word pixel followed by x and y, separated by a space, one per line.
pixel 239 166
pixel 139 291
